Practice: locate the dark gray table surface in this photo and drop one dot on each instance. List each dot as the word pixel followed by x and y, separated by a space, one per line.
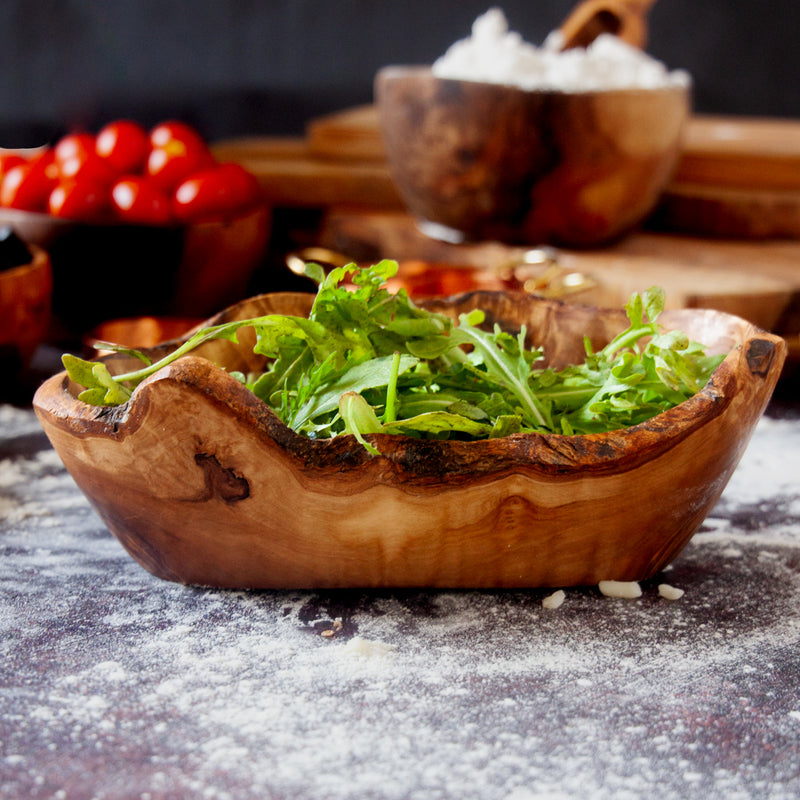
pixel 114 684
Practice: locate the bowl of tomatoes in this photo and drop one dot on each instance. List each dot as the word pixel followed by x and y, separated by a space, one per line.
pixel 136 221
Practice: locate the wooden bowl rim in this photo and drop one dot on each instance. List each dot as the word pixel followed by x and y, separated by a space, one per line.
pixel 416 72
pixel 57 226
pixel 40 260
pixel 423 460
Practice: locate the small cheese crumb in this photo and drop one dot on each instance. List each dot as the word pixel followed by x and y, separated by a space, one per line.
pixel 554 600
pixel 670 592
pixel 626 589
pixel 358 647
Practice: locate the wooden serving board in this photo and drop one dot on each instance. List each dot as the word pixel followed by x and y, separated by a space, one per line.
pixel 741 152
pixel 737 177
pixel 292 176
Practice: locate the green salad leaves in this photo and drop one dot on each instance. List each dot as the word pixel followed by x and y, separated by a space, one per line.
pixel 369 361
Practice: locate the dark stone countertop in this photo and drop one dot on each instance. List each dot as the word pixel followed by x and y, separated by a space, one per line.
pixel 114 684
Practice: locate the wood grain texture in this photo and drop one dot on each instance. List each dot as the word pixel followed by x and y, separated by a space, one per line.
pixel 730 212
pixel 203 484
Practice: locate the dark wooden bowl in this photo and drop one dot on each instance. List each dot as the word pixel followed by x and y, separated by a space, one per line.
pixel 485 161
pixel 203 484
pixel 109 271
pixel 25 298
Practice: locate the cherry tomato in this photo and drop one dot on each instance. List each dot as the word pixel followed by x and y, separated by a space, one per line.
pixel 173 130
pixel 84 201
pixel 86 166
pixel 73 145
pixel 172 163
pixel 9 160
pixel 124 145
pixel 245 190
pixel 27 186
pixel 214 193
pixel 136 200
pixel 177 151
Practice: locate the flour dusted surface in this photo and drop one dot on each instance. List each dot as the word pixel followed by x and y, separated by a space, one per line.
pixel 118 685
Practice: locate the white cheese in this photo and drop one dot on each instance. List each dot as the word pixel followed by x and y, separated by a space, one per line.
pixel 626 589
pixel 494 54
pixel 670 592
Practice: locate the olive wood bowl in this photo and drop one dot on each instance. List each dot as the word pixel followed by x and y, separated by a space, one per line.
pixel 475 161
pixel 202 484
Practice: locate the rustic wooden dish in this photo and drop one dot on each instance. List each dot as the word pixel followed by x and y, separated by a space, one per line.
pixel 476 161
pixel 202 484
pixel 25 297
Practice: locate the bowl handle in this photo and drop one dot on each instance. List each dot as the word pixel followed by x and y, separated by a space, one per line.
pixel 761 354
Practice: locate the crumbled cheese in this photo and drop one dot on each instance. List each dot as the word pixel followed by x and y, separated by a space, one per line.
pixel 358 647
pixel 554 600
pixel 493 54
pixel 626 589
pixel 670 592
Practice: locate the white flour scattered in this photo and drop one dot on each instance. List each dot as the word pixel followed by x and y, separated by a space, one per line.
pixel 118 685
pixel 494 54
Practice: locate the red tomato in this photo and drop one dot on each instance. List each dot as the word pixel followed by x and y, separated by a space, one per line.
pixel 27 186
pixel 9 160
pixel 136 200
pixel 73 145
pixel 124 145
pixel 167 166
pixel 86 166
pixel 172 130
pixel 244 187
pixel 213 193
pixel 84 201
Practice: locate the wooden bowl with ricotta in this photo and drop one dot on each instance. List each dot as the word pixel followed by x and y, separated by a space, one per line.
pixel 203 484
pixel 476 161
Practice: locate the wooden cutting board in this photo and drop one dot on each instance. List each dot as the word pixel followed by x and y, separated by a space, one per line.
pixel 737 177
pixel 293 176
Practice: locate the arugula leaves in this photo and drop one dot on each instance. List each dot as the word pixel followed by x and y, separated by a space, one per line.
pixel 369 361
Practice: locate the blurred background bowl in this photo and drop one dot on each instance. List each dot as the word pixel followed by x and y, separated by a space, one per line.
pixel 137 333
pixel 477 161
pixel 25 297
pixel 112 271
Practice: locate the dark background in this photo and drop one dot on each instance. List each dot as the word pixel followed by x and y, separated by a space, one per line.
pixel 264 67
